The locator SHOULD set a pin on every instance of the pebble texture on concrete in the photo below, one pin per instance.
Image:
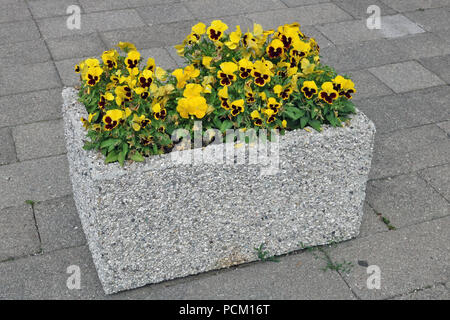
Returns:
(161, 220)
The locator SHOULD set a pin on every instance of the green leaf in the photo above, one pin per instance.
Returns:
(315, 124)
(137, 157)
(109, 142)
(227, 124)
(294, 113)
(303, 122)
(121, 158)
(112, 157)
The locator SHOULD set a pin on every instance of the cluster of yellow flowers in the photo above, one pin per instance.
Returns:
(260, 78)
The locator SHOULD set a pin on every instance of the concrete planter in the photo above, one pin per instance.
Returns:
(158, 220)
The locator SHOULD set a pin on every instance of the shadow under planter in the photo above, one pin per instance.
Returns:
(158, 220)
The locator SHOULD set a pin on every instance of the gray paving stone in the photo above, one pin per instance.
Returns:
(37, 180)
(76, 46)
(358, 8)
(164, 13)
(18, 31)
(298, 276)
(406, 200)
(39, 139)
(371, 223)
(216, 8)
(161, 56)
(149, 37)
(90, 22)
(22, 78)
(431, 19)
(407, 110)
(30, 107)
(437, 292)
(439, 178)
(430, 45)
(59, 224)
(406, 76)
(25, 52)
(298, 3)
(50, 8)
(102, 5)
(438, 65)
(413, 5)
(352, 31)
(19, 234)
(362, 55)
(445, 126)
(45, 276)
(409, 150)
(367, 85)
(15, 11)
(308, 15)
(409, 258)
(7, 148)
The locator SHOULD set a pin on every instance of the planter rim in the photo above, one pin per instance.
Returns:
(94, 160)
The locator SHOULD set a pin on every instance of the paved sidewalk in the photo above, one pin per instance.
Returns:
(401, 72)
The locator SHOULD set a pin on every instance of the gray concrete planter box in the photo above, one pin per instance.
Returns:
(158, 220)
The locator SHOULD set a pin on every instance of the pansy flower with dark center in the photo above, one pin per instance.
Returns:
(261, 72)
(132, 59)
(348, 88)
(77, 69)
(270, 115)
(226, 74)
(237, 106)
(256, 118)
(338, 81)
(150, 65)
(328, 94)
(216, 30)
(283, 92)
(223, 96)
(93, 75)
(309, 89)
(300, 49)
(146, 78)
(104, 98)
(245, 68)
(123, 94)
(160, 112)
(109, 58)
(275, 49)
(249, 97)
(140, 122)
(112, 118)
(273, 104)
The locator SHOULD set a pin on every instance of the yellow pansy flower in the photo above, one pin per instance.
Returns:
(216, 29)
(132, 59)
(226, 74)
(160, 112)
(245, 68)
(140, 122)
(235, 37)
(328, 94)
(109, 58)
(126, 46)
(309, 89)
(146, 78)
(93, 75)
(275, 49)
(223, 96)
(111, 118)
(237, 106)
